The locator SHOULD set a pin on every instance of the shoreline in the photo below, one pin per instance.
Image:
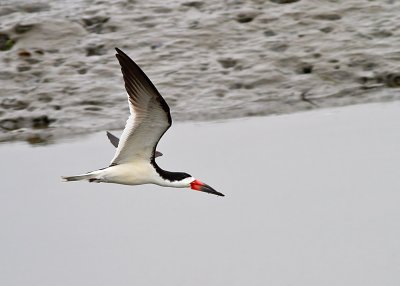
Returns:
(76, 137)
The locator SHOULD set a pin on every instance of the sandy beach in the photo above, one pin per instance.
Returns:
(211, 60)
(311, 199)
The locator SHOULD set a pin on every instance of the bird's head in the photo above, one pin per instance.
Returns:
(198, 185)
(184, 180)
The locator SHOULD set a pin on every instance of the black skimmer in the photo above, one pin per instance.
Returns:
(134, 160)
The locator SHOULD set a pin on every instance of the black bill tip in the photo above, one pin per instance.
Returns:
(207, 189)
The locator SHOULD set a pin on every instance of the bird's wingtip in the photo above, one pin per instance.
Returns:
(120, 52)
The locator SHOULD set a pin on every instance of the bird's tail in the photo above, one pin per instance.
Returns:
(91, 177)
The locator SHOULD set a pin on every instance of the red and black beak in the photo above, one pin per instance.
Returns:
(200, 186)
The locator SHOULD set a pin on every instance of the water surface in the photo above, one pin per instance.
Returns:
(311, 199)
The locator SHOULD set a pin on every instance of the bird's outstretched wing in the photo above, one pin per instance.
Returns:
(150, 117)
(115, 140)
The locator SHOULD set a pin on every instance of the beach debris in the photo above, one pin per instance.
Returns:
(13, 103)
(246, 16)
(41, 122)
(6, 43)
(37, 122)
(227, 63)
(243, 18)
(23, 68)
(33, 7)
(284, 1)
(36, 139)
(21, 28)
(95, 50)
(327, 17)
(269, 33)
(193, 4)
(95, 24)
(390, 79)
(303, 97)
(24, 54)
(326, 30)
(10, 124)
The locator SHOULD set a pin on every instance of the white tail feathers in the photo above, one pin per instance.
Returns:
(89, 176)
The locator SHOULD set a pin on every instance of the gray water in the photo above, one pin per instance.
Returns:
(311, 199)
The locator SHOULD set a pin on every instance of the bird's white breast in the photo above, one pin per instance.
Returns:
(137, 173)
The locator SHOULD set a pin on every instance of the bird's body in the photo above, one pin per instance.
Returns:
(134, 160)
(134, 173)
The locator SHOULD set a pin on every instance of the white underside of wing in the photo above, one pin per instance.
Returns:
(123, 141)
(141, 134)
(149, 118)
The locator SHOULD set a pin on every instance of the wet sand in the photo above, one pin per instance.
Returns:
(210, 59)
(311, 199)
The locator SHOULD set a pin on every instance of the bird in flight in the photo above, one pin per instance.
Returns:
(134, 160)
